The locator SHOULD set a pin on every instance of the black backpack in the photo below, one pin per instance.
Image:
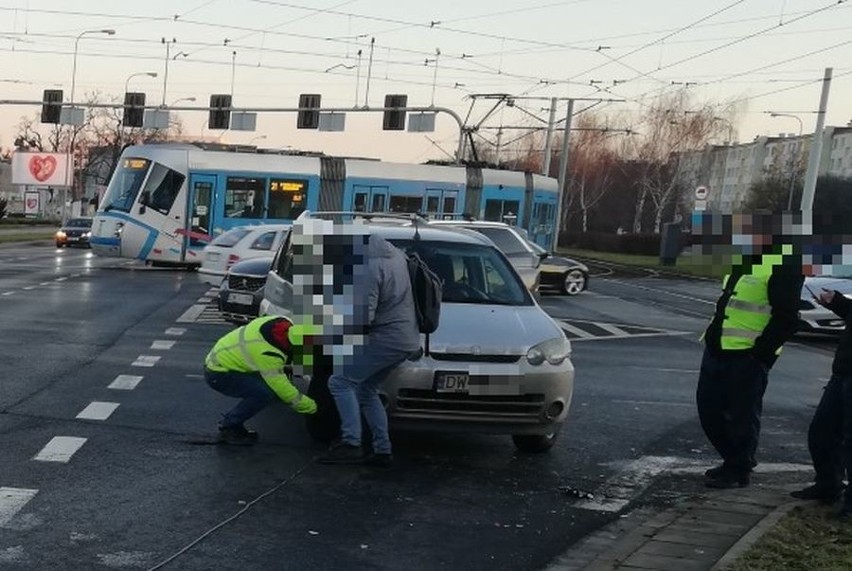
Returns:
(427, 289)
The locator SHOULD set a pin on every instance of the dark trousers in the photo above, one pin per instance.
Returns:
(253, 391)
(830, 433)
(730, 402)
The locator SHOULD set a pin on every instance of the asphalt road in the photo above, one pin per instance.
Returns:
(94, 477)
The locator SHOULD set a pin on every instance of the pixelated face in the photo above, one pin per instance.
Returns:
(724, 239)
(330, 282)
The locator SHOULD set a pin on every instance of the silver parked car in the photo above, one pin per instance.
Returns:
(512, 242)
(237, 244)
(497, 363)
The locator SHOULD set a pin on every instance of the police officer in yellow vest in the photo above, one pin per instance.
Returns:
(755, 315)
(249, 363)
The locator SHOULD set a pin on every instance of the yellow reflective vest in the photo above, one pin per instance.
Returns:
(748, 310)
(245, 350)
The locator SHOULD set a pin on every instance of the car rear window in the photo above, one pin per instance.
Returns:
(230, 238)
(504, 239)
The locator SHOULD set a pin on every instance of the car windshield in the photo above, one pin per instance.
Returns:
(503, 238)
(471, 273)
(230, 238)
(79, 223)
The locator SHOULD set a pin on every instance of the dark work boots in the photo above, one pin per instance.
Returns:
(237, 435)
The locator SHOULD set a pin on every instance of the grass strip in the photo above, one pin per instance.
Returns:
(690, 265)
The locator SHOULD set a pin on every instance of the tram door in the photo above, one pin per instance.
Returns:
(369, 198)
(200, 220)
(439, 203)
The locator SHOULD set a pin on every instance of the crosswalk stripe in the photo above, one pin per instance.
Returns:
(97, 410)
(13, 500)
(610, 328)
(125, 382)
(576, 330)
(60, 449)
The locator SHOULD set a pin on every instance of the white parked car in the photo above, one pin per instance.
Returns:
(813, 317)
(239, 244)
(512, 242)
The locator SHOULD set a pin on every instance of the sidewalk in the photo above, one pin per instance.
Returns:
(708, 531)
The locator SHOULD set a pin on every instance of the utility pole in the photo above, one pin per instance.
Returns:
(369, 73)
(807, 204)
(563, 171)
(545, 170)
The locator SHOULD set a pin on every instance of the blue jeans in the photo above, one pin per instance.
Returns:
(356, 390)
(250, 387)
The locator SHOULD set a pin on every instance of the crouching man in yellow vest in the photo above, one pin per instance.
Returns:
(755, 315)
(249, 363)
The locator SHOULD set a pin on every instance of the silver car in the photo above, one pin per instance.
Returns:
(496, 364)
(813, 317)
(512, 242)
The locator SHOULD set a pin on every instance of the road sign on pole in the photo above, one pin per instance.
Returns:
(701, 198)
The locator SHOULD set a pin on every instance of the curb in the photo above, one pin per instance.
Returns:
(762, 527)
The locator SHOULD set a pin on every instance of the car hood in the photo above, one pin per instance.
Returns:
(842, 285)
(252, 266)
(498, 330)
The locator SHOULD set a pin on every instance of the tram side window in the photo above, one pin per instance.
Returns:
(409, 204)
(163, 186)
(244, 197)
(496, 210)
(287, 198)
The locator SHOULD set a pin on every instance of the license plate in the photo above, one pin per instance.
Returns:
(241, 298)
(451, 382)
(72, 238)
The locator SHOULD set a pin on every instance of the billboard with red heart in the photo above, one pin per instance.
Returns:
(40, 169)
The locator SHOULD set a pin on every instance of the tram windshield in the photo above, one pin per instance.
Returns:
(125, 184)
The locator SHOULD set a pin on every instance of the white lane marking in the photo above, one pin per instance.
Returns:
(768, 468)
(191, 314)
(175, 331)
(665, 370)
(30, 287)
(145, 361)
(633, 479)
(194, 376)
(653, 402)
(575, 330)
(162, 345)
(44, 283)
(62, 279)
(671, 293)
(125, 382)
(13, 500)
(8, 293)
(633, 336)
(609, 328)
(60, 449)
(75, 275)
(204, 300)
(97, 410)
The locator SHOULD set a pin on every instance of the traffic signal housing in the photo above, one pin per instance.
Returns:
(308, 119)
(51, 108)
(134, 109)
(220, 112)
(394, 120)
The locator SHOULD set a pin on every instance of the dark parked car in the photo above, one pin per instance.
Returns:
(565, 275)
(75, 232)
(242, 289)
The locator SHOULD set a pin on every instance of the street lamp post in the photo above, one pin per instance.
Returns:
(132, 75)
(108, 32)
(792, 156)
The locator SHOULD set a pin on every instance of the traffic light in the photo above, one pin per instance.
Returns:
(308, 119)
(220, 112)
(395, 120)
(134, 109)
(51, 108)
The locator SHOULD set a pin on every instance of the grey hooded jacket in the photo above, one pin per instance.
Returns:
(392, 319)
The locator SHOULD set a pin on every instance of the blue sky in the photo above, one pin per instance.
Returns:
(763, 54)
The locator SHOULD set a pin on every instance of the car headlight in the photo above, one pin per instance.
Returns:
(554, 351)
(87, 234)
(60, 234)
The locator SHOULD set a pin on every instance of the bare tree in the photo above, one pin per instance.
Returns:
(592, 164)
(670, 127)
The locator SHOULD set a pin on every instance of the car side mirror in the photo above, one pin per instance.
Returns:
(543, 255)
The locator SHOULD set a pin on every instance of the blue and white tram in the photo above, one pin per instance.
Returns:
(165, 202)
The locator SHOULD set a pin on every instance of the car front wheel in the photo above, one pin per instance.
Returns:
(573, 282)
(535, 443)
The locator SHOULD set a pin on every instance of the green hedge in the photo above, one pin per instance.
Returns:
(641, 244)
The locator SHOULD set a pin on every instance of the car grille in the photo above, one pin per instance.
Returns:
(74, 233)
(528, 406)
(475, 358)
(245, 283)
